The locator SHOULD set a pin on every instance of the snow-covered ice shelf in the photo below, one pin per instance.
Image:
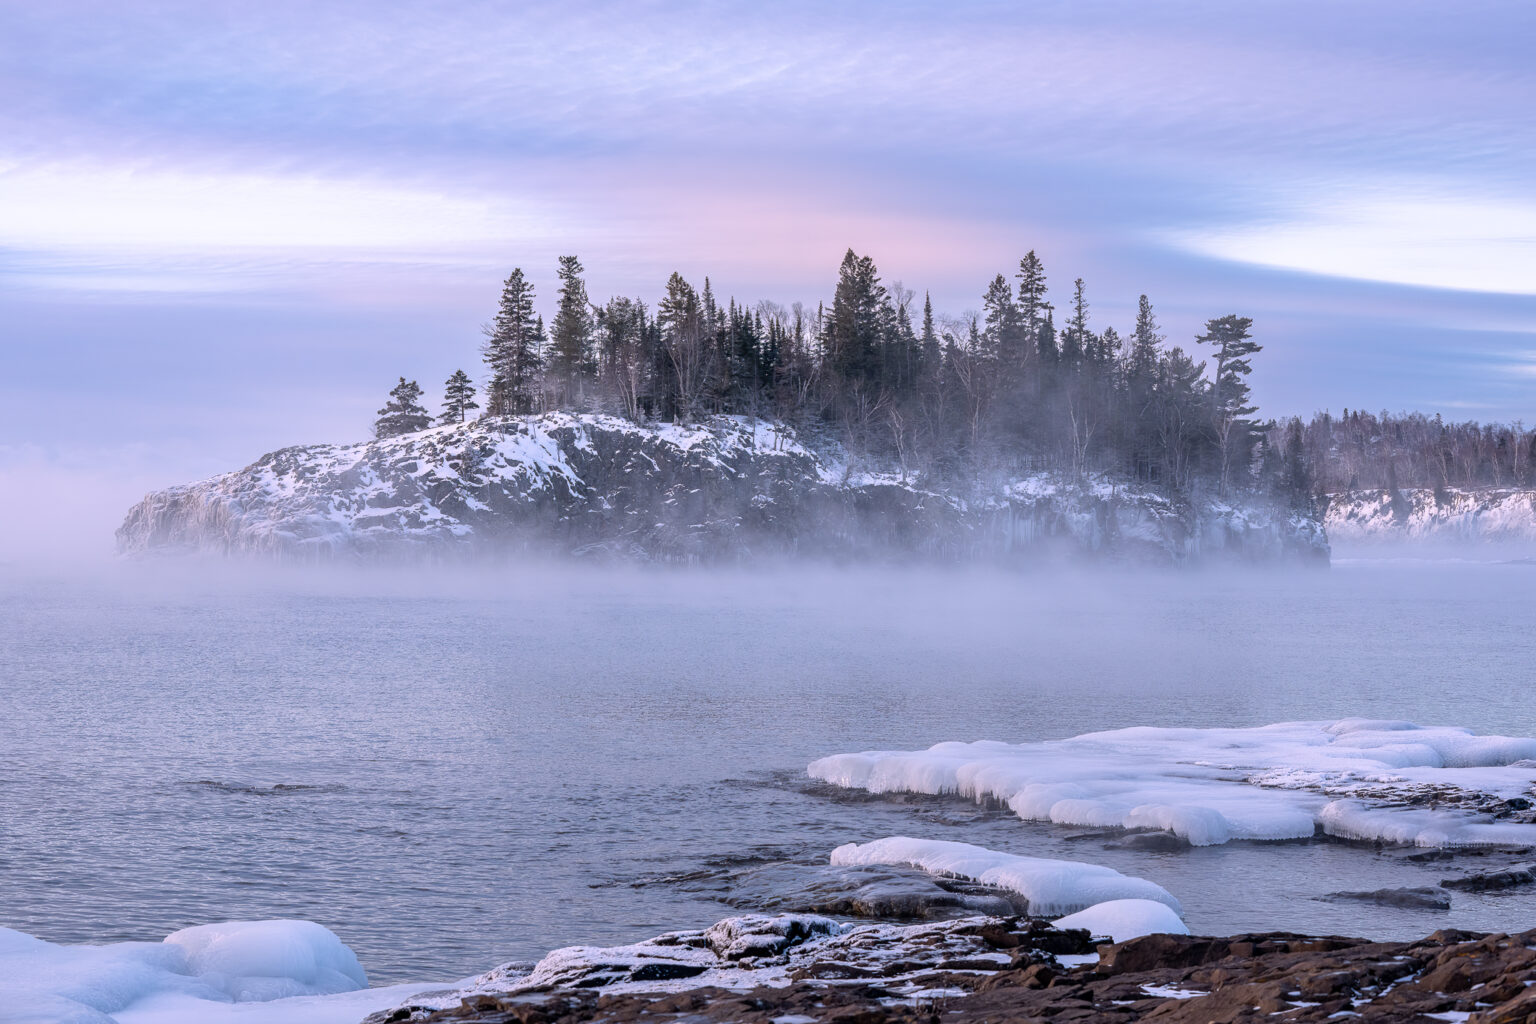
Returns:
(1357, 779)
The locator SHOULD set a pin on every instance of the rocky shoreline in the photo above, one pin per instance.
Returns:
(726, 489)
(799, 970)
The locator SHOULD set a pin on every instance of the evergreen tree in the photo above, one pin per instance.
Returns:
(1045, 340)
(458, 398)
(1234, 347)
(1002, 323)
(571, 336)
(1076, 341)
(681, 322)
(1235, 429)
(1032, 305)
(853, 330)
(513, 350)
(1146, 345)
(403, 413)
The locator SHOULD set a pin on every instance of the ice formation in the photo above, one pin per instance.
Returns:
(1126, 919)
(1052, 887)
(297, 968)
(1357, 779)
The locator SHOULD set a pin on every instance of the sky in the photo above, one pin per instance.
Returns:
(229, 227)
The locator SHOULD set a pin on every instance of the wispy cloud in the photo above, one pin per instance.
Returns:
(1394, 235)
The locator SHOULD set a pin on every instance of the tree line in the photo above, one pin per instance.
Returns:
(1364, 451)
(1021, 386)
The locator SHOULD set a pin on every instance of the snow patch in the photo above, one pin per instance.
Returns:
(1123, 920)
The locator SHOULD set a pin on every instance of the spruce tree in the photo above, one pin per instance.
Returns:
(1031, 303)
(512, 350)
(1000, 342)
(853, 330)
(458, 398)
(1076, 341)
(1146, 346)
(928, 346)
(570, 335)
(403, 413)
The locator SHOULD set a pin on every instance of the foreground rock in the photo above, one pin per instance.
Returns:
(798, 970)
(728, 488)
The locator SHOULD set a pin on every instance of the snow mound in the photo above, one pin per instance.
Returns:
(253, 961)
(237, 961)
(1122, 920)
(1052, 887)
(1357, 778)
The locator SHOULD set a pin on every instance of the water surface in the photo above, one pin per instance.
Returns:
(452, 771)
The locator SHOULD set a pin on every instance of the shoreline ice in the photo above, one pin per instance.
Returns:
(1359, 779)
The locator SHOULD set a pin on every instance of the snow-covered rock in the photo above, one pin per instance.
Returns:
(725, 488)
(1380, 781)
(1442, 516)
(1052, 887)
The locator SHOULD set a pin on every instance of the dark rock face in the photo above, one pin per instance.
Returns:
(1418, 898)
(728, 488)
(1484, 979)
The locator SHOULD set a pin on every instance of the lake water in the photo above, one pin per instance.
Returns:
(451, 771)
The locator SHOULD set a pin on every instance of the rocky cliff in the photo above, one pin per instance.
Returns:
(1434, 517)
(727, 488)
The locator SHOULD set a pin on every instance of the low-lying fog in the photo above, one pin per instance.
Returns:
(452, 769)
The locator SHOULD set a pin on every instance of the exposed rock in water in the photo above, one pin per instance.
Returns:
(1416, 898)
(889, 893)
(727, 488)
(1520, 874)
(976, 970)
(1150, 842)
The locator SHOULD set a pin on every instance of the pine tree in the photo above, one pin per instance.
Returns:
(571, 335)
(1234, 345)
(1235, 429)
(403, 413)
(458, 398)
(513, 351)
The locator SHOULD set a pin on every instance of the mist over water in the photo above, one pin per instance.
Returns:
(454, 769)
